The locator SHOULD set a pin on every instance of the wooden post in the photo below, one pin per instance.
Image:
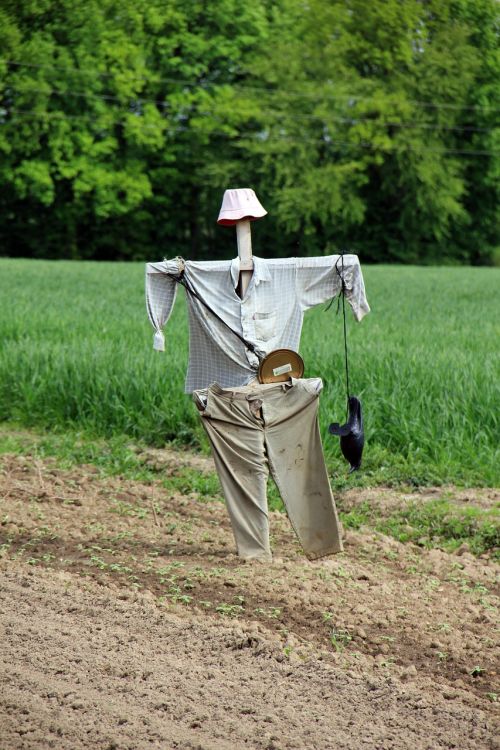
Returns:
(244, 241)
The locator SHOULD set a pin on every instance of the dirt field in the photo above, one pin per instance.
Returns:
(127, 622)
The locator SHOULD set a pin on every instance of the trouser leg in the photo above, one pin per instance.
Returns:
(237, 438)
(297, 464)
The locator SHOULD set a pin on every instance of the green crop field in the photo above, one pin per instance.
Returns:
(76, 356)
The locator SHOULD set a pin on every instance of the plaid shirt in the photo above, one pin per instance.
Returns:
(270, 314)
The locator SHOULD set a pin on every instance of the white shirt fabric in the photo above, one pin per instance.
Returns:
(270, 314)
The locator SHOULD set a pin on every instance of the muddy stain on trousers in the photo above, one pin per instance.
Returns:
(260, 428)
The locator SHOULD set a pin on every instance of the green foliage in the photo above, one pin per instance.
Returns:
(372, 167)
(76, 354)
(120, 129)
(436, 523)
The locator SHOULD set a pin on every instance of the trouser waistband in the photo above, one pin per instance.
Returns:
(244, 392)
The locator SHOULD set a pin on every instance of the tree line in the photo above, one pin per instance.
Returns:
(365, 126)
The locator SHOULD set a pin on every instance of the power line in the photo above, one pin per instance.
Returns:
(263, 138)
(390, 123)
(299, 116)
(245, 87)
(389, 150)
(92, 95)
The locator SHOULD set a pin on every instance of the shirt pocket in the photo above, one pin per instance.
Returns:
(265, 325)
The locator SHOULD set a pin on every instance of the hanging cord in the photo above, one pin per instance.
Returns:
(342, 294)
(181, 279)
(352, 436)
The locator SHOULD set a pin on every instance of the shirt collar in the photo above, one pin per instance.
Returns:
(260, 270)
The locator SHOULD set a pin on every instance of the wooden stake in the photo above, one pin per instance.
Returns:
(244, 242)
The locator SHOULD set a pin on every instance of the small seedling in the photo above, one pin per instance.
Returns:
(4, 548)
(229, 610)
(433, 583)
(341, 572)
(476, 671)
(217, 572)
(181, 599)
(445, 627)
(339, 639)
(98, 562)
(271, 612)
(119, 568)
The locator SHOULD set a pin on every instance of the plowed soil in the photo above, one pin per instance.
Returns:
(128, 622)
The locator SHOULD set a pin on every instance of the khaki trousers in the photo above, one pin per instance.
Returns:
(273, 427)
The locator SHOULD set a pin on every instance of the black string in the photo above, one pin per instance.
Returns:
(342, 292)
(181, 279)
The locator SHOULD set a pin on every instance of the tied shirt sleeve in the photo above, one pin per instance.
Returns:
(318, 281)
(161, 290)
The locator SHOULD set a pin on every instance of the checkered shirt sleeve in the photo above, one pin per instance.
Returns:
(320, 279)
(161, 291)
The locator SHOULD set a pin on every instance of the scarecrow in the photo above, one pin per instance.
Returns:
(246, 377)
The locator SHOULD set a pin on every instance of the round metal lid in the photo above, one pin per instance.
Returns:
(280, 365)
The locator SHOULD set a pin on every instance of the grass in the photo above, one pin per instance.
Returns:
(435, 523)
(76, 358)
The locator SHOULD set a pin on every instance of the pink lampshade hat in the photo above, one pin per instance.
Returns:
(238, 204)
